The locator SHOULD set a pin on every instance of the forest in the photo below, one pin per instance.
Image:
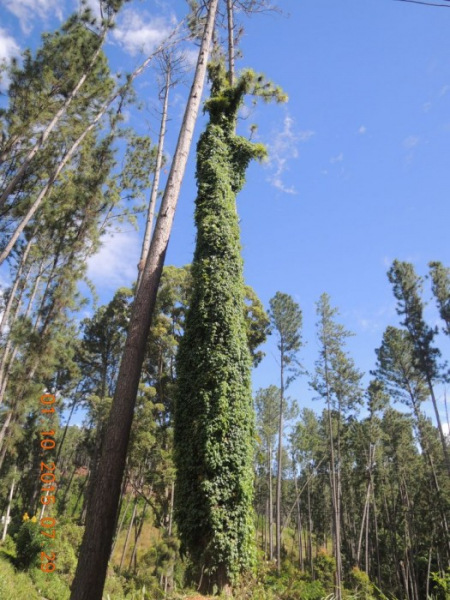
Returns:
(175, 433)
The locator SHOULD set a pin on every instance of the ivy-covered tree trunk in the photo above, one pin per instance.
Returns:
(214, 421)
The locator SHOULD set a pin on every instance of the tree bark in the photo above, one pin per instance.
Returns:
(270, 506)
(279, 466)
(8, 510)
(96, 545)
(156, 177)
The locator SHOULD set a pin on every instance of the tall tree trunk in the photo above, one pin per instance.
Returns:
(270, 506)
(156, 177)
(439, 424)
(8, 510)
(96, 545)
(279, 465)
(230, 27)
(310, 528)
(127, 539)
(58, 116)
(56, 172)
(12, 294)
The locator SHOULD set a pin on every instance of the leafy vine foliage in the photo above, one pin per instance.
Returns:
(214, 420)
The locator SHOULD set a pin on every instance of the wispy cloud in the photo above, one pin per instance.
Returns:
(444, 90)
(141, 32)
(116, 263)
(8, 49)
(426, 106)
(337, 159)
(27, 11)
(411, 141)
(282, 149)
(362, 130)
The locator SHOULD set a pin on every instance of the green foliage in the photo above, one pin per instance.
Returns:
(324, 568)
(441, 585)
(28, 545)
(286, 319)
(440, 278)
(407, 288)
(360, 584)
(15, 585)
(214, 422)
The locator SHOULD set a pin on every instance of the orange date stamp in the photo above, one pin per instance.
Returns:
(48, 483)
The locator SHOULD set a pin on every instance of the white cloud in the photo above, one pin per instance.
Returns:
(337, 159)
(305, 136)
(362, 130)
(28, 11)
(8, 46)
(444, 90)
(140, 32)
(446, 428)
(190, 56)
(116, 263)
(282, 149)
(411, 141)
(8, 49)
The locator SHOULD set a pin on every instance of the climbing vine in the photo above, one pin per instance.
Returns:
(214, 421)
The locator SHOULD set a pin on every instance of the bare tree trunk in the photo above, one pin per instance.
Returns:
(133, 559)
(13, 291)
(270, 506)
(279, 466)
(158, 166)
(119, 528)
(127, 539)
(60, 113)
(363, 524)
(53, 177)
(299, 520)
(8, 510)
(96, 545)
(439, 424)
(310, 528)
(230, 25)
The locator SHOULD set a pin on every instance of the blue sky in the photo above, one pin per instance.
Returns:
(358, 172)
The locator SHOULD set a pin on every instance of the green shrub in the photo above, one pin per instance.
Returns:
(28, 545)
(324, 568)
(15, 585)
(50, 585)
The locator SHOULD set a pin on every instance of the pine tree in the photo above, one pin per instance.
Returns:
(286, 321)
(407, 287)
(337, 381)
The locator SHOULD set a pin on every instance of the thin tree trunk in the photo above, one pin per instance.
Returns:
(156, 177)
(299, 520)
(363, 524)
(8, 510)
(230, 26)
(279, 465)
(127, 539)
(133, 559)
(96, 545)
(310, 528)
(13, 291)
(119, 528)
(60, 113)
(270, 506)
(439, 424)
(53, 177)
(427, 593)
